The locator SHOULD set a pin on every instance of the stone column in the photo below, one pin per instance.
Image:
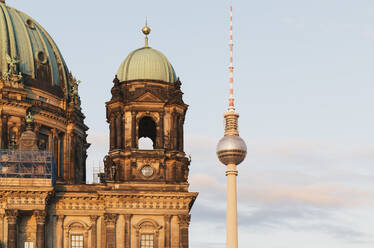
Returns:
(58, 169)
(40, 216)
(127, 230)
(69, 157)
(1, 229)
(125, 145)
(4, 131)
(112, 130)
(110, 226)
(133, 129)
(12, 227)
(167, 239)
(118, 130)
(181, 136)
(93, 219)
(161, 133)
(173, 131)
(60, 231)
(85, 243)
(184, 222)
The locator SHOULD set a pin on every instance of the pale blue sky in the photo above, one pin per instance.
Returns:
(303, 84)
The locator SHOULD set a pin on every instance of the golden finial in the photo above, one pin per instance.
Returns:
(146, 30)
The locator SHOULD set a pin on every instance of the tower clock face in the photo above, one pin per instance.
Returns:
(147, 171)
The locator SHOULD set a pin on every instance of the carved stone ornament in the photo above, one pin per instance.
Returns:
(110, 168)
(93, 219)
(73, 92)
(184, 219)
(12, 75)
(11, 215)
(110, 219)
(40, 216)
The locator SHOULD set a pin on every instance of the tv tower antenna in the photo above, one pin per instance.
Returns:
(231, 151)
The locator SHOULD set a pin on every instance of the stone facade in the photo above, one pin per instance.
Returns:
(142, 200)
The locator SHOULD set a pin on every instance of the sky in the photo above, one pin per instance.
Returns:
(303, 89)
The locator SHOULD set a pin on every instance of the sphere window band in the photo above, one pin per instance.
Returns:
(147, 171)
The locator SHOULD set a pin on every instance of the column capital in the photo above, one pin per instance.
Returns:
(110, 219)
(184, 219)
(167, 217)
(11, 215)
(127, 216)
(40, 216)
(93, 219)
(60, 217)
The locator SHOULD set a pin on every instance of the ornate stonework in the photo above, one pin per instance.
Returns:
(44, 199)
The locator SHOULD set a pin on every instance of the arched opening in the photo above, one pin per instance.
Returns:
(147, 133)
(145, 144)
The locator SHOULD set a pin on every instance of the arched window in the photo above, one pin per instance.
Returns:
(147, 233)
(77, 233)
(147, 129)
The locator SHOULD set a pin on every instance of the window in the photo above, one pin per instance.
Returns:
(76, 241)
(29, 245)
(146, 241)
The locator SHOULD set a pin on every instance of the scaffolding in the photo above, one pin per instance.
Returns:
(96, 171)
(27, 168)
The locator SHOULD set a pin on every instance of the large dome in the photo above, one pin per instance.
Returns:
(36, 54)
(146, 63)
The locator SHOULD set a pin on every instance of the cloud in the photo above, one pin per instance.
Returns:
(319, 195)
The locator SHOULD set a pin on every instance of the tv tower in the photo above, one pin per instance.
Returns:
(231, 151)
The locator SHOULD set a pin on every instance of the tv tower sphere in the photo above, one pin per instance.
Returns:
(231, 149)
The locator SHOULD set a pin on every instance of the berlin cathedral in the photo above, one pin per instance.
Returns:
(142, 200)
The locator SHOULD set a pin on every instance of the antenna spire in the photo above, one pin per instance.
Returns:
(231, 68)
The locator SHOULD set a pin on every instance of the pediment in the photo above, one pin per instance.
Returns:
(148, 97)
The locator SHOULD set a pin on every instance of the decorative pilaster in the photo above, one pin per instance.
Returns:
(112, 128)
(127, 230)
(60, 231)
(4, 131)
(93, 219)
(184, 223)
(133, 129)
(40, 216)
(173, 132)
(118, 130)
(162, 134)
(110, 224)
(12, 227)
(1, 227)
(167, 238)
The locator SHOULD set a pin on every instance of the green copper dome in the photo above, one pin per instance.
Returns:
(146, 63)
(32, 50)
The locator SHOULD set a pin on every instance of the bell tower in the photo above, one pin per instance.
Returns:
(147, 103)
